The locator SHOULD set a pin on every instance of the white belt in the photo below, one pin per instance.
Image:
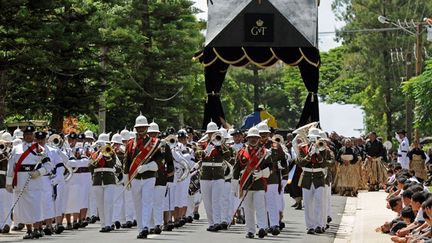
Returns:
(212, 164)
(104, 170)
(2, 172)
(313, 170)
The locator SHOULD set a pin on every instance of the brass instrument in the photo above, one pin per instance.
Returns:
(302, 133)
(3, 147)
(171, 140)
(217, 139)
(321, 144)
(107, 151)
(277, 138)
(56, 141)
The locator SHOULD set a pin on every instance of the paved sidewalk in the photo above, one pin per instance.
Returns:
(362, 216)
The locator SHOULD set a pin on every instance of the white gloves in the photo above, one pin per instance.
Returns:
(280, 167)
(235, 187)
(151, 166)
(261, 174)
(34, 174)
(9, 188)
(56, 180)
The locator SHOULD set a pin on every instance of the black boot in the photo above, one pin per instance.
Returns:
(18, 227)
(261, 233)
(127, 225)
(134, 223)
(6, 229)
(250, 235)
(29, 235)
(59, 229)
(158, 230)
(37, 234)
(76, 225)
(143, 234)
(117, 224)
(275, 230)
(48, 231)
(224, 225)
(189, 219)
(93, 219)
(196, 216)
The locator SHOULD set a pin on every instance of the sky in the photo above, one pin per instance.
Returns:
(334, 117)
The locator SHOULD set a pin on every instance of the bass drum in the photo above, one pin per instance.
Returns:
(194, 185)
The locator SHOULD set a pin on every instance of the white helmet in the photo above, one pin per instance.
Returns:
(211, 127)
(16, 142)
(18, 133)
(154, 127)
(125, 134)
(323, 134)
(141, 121)
(263, 126)
(253, 132)
(6, 137)
(117, 138)
(314, 133)
(103, 138)
(225, 133)
(133, 133)
(88, 134)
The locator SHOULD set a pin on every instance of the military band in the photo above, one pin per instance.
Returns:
(155, 181)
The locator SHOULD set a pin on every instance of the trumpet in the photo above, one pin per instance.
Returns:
(321, 144)
(171, 140)
(107, 151)
(55, 141)
(217, 139)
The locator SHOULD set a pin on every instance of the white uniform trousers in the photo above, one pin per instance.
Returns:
(104, 200)
(158, 206)
(48, 209)
(314, 206)
(194, 200)
(254, 204)
(92, 210)
(5, 207)
(327, 193)
(227, 203)
(181, 193)
(143, 193)
(129, 206)
(59, 202)
(169, 200)
(28, 209)
(272, 202)
(119, 208)
(212, 193)
(281, 196)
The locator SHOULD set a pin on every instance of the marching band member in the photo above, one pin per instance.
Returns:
(142, 160)
(27, 165)
(102, 165)
(250, 172)
(227, 196)
(212, 176)
(119, 148)
(5, 196)
(314, 159)
(129, 208)
(403, 149)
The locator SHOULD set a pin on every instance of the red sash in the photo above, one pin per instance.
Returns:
(144, 153)
(254, 162)
(20, 161)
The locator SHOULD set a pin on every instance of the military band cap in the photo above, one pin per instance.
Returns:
(181, 134)
(41, 135)
(72, 135)
(81, 136)
(189, 130)
(29, 129)
(236, 131)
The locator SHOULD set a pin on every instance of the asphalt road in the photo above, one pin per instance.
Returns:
(295, 231)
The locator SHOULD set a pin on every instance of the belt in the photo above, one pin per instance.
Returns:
(104, 170)
(2, 172)
(82, 170)
(28, 168)
(212, 164)
(59, 165)
(313, 170)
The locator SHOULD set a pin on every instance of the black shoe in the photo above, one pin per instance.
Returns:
(269, 230)
(48, 231)
(93, 219)
(261, 233)
(218, 227)
(281, 225)
(224, 225)
(275, 230)
(299, 207)
(97, 218)
(151, 231)
(166, 228)
(88, 219)
(250, 235)
(196, 216)
(311, 231)
(329, 219)
(143, 234)
(112, 227)
(6, 229)
(294, 205)
(18, 227)
(158, 230)
(327, 226)
(105, 229)
(319, 230)
(28, 236)
(76, 225)
(189, 219)
(170, 226)
(83, 224)
(69, 226)
(127, 225)
(117, 224)
(177, 224)
(182, 222)
(134, 223)
(58, 229)
(37, 234)
(212, 228)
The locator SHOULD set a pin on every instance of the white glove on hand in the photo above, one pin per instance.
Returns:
(257, 174)
(9, 188)
(56, 180)
(34, 174)
(196, 166)
(152, 166)
(280, 167)
(235, 187)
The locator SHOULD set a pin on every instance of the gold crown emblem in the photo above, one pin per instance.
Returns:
(260, 23)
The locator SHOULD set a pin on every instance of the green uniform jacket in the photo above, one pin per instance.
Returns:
(105, 177)
(3, 167)
(218, 155)
(318, 179)
(241, 164)
(166, 166)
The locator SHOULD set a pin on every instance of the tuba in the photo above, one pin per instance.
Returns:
(171, 140)
(217, 139)
(302, 133)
